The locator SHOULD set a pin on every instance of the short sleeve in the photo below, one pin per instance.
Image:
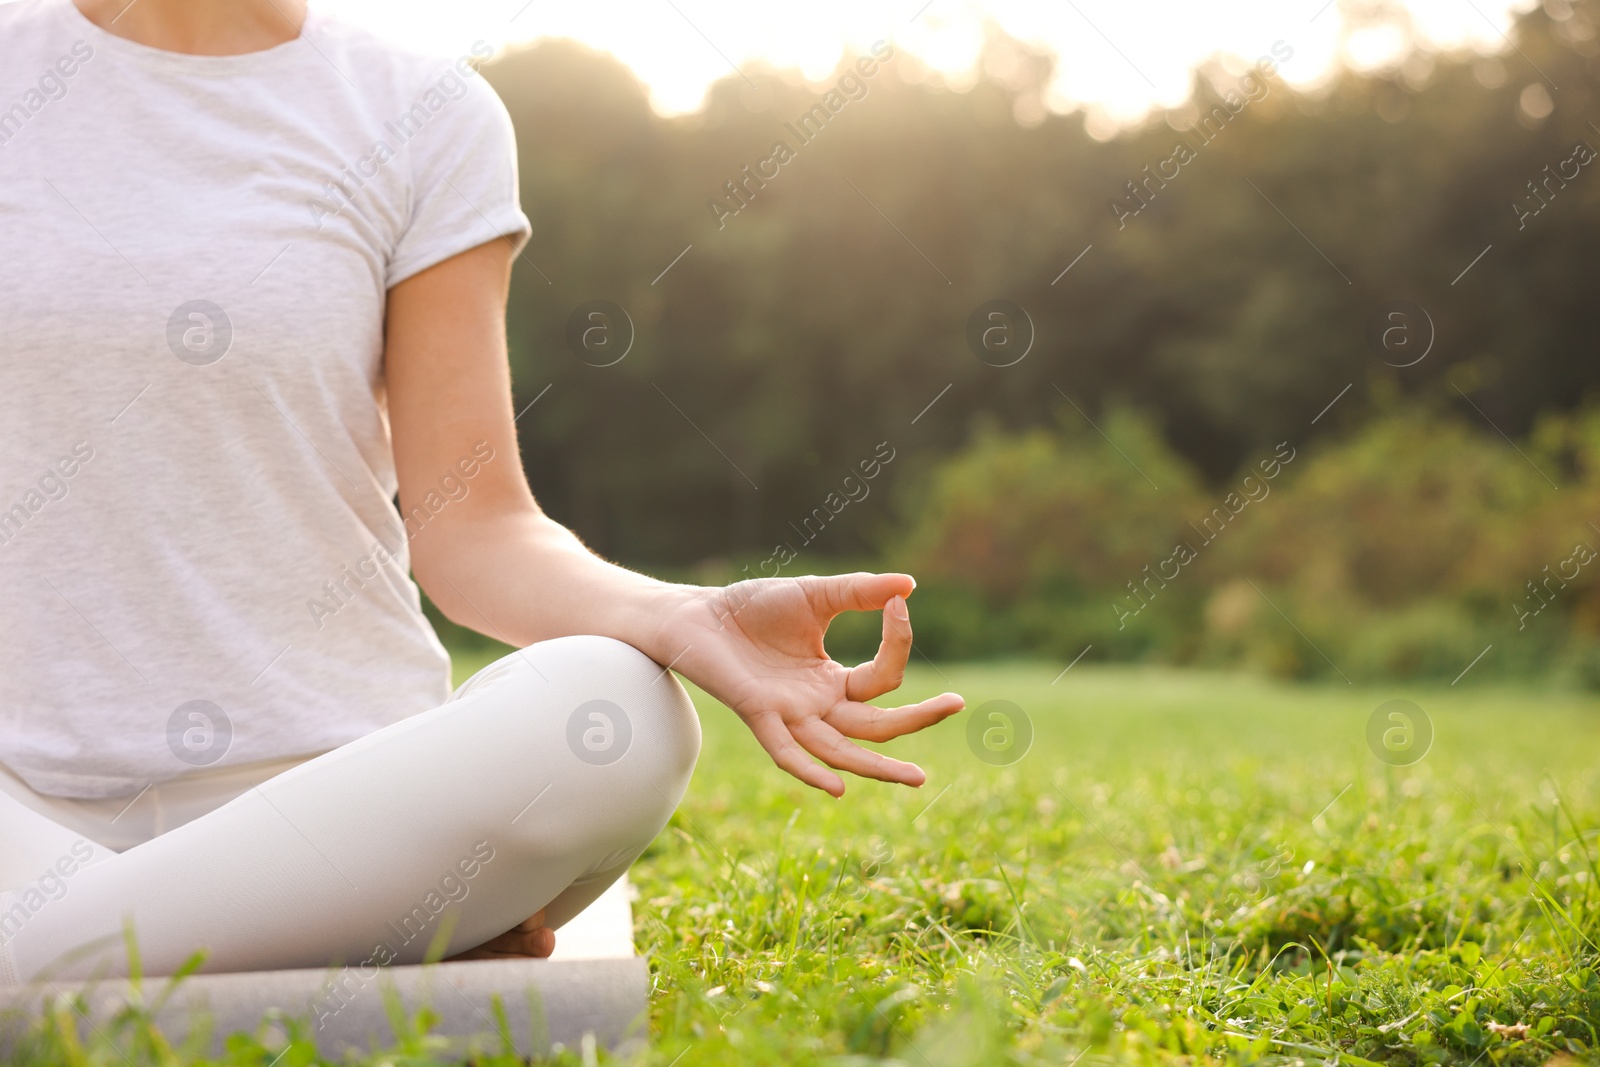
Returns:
(464, 191)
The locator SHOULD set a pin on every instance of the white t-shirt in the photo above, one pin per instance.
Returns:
(196, 478)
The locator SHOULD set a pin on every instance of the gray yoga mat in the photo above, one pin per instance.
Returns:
(545, 1002)
(595, 985)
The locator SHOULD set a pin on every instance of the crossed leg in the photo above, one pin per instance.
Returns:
(533, 788)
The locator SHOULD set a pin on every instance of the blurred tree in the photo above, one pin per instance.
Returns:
(773, 349)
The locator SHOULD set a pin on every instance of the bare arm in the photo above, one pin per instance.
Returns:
(493, 561)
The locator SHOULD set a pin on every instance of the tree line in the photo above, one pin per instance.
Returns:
(1423, 233)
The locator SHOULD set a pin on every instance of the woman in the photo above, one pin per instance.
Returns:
(252, 285)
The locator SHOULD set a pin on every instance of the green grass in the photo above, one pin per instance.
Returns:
(1185, 867)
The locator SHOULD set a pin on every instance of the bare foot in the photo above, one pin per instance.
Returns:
(529, 939)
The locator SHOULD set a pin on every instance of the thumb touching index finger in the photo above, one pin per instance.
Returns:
(859, 591)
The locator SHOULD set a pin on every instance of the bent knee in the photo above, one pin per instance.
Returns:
(641, 717)
(620, 734)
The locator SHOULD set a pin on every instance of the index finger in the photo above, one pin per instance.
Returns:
(887, 669)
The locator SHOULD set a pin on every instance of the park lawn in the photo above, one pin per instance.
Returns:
(1183, 867)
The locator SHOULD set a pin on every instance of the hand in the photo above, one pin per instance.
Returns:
(757, 647)
(528, 939)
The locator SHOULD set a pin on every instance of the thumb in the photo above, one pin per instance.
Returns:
(858, 591)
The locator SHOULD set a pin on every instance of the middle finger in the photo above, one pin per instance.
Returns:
(867, 723)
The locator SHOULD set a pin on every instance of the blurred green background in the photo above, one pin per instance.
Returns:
(1445, 467)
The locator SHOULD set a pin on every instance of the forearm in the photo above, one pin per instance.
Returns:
(494, 562)
(519, 576)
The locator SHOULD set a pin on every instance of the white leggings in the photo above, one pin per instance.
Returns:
(535, 786)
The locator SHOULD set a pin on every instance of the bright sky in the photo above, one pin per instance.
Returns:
(1118, 57)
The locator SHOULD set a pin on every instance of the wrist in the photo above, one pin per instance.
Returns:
(659, 619)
